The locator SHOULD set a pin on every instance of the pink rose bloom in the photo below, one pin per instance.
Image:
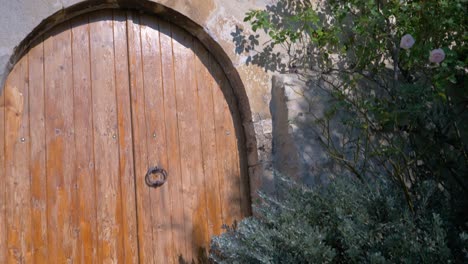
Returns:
(407, 41)
(437, 56)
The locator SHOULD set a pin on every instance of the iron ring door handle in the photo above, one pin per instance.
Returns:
(155, 177)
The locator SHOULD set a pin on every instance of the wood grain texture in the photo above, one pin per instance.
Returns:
(205, 86)
(172, 140)
(186, 122)
(226, 150)
(156, 136)
(84, 140)
(38, 154)
(234, 137)
(60, 144)
(3, 186)
(127, 176)
(85, 113)
(106, 144)
(200, 244)
(17, 144)
(144, 211)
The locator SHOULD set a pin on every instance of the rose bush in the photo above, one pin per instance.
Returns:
(404, 117)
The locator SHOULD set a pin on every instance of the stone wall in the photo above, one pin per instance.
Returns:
(269, 103)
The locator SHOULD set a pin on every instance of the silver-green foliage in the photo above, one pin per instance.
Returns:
(345, 222)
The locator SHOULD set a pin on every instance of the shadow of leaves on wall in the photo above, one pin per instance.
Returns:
(291, 37)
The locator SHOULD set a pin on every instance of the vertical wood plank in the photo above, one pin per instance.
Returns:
(174, 182)
(205, 85)
(238, 186)
(60, 143)
(189, 138)
(183, 79)
(232, 119)
(71, 178)
(38, 146)
(106, 148)
(241, 168)
(144, 211)
(3, 220)
(17, 146)
(127, 175)
(83, 116)
(226, 150)
(156, 136)
(201, 230)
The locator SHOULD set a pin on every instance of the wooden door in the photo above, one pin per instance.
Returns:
(94, 104)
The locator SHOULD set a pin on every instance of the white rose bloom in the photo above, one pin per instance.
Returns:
(437, 56)
(407, 41)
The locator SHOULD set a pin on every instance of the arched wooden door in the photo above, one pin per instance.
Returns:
(85, 113)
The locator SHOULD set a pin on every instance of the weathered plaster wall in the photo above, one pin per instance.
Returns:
(271, 143)
(296, 105)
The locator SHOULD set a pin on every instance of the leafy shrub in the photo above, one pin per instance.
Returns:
(396, 72)
(345, 222)
(405, 110)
